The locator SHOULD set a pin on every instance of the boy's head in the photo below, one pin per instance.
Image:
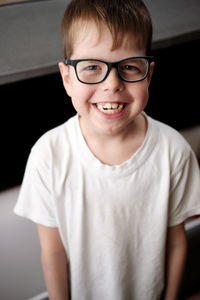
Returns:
(106, 71)
(124, 19)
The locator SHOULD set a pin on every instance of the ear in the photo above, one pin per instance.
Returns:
(64, 71)
(152, 66)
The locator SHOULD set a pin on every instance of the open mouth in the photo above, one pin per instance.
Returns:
(110, 108)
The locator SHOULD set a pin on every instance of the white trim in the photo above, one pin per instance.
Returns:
(39, 296)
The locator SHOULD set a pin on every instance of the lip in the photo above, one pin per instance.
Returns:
(110, 116)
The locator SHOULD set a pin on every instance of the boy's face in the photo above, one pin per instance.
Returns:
(88, 99)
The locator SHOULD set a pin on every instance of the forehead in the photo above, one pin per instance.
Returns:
(92, 35)
(86, 33)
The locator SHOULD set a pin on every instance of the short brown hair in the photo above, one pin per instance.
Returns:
(122, 17)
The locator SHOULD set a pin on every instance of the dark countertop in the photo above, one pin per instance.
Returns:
(30, 33)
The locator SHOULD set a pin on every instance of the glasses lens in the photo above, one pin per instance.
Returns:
(133, 69)
(91, 71)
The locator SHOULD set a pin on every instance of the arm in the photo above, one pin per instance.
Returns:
(176, 255)
(54, 262)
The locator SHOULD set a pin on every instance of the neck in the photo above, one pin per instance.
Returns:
(113, 149)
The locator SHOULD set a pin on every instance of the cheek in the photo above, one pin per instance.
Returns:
(144, 98)
(146, 94)
(81, 96)
(141, 93)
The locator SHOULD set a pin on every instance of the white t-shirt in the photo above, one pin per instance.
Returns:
(112, 219)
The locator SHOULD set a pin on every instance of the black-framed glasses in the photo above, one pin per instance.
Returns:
(93, 71)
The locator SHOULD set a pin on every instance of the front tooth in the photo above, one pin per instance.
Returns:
(107, 105)
(114, 105)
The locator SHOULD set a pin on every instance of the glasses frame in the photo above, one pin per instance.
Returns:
(110, 65)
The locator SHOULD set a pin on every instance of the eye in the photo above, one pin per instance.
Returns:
(92, 68)
(89, 66)
(128, 68)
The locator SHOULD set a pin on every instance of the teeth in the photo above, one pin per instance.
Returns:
(110, 108)
(107, 106)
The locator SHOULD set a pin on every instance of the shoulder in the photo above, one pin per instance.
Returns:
(55, 142)
(170, 143)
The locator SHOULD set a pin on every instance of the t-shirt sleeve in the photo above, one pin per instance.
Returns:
(185, 192)
(36, 201)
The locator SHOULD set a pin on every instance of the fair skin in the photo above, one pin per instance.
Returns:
(124, 132)
(54, 262)
(175, 255)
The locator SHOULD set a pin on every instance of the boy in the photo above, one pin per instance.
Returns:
(110, 188)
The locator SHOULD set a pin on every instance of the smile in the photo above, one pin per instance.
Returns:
(110, 108)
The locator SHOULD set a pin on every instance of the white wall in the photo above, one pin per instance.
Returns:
(21, 274)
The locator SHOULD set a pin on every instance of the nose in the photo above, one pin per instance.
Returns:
(113, 83)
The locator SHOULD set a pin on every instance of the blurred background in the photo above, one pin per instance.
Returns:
(33, 100)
